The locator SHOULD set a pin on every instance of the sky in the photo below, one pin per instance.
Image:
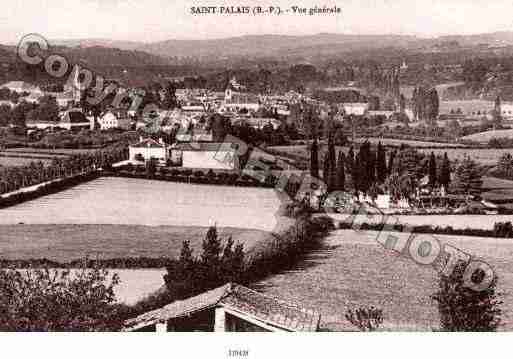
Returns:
(157, 20)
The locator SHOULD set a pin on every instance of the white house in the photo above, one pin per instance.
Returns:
(355, 108)
(75, 119)
(236, 99)
(114, 119)
(147, 149)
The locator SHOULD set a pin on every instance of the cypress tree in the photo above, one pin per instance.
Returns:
(326, 174)
(314, 159)
(445, 172)
(210, 259)
(390, 166)
(468, 178)
(432, 170)
(381, 164)
(341, 173)
(350, 165)
(332, 163)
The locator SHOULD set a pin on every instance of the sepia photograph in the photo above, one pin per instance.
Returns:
(207, 166)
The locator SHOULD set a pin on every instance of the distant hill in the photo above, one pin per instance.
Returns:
(275, 45)
(107, 56)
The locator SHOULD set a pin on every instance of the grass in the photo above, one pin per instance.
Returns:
(353, 270)
(19, 161)
(398, 142)
(64, 243)
(488, 135)
(485, 156)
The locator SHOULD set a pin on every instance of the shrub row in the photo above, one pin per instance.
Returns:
(500, 229)
(195, 177)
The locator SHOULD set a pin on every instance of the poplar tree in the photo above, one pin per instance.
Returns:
(445, 172)
(432, 170)
(341, 173)
(468, 178)
(381, 164)
(314, 159)
(350, 165)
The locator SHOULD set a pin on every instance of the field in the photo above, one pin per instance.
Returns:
(488, 135)
(353, 270)
(124, 201)
(18, 161)
(486, 156)
(23, 156)
(397, 142)
(64, 243)
(47, 151)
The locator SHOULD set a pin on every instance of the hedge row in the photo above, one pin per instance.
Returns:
(198, 178)
(500, 229)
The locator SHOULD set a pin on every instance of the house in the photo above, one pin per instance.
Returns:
(74, 119)
(355, 108)
(33, 97)
(64, 99)
(206, 155)
(114, 119)
(260, 123)
(21, 86)
(385, 114)
(236, 99)
(147, 149)
(230, 308)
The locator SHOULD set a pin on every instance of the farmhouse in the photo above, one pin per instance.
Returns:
(75, 119)
(147, 149)
(230, 308)
(205, 155)
(114, 119)
(355, 108)
(236, 99)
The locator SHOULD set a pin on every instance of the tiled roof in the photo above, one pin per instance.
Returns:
(149, 142)
(204, 146)
(179, 308)
(270, 310)
(238, 299)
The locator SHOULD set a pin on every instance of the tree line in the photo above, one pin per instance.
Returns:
(376, 170)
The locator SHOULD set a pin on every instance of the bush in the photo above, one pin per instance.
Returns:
(365, 319)
(464, 309)
(49, 300)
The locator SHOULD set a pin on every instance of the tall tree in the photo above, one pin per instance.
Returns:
(314, 159)
(210, 258)
(432, 170)
(341, 173)
(332, 155)
(350, 165)
(381, 164)
(468, 178)
(326, 172)
(445, 172)
(497, 112)
(390, 166)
